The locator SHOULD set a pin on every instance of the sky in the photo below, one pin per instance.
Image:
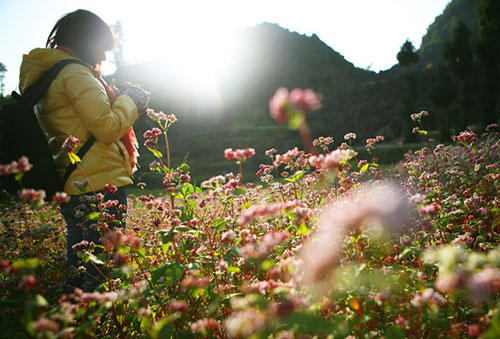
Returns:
(368, 33)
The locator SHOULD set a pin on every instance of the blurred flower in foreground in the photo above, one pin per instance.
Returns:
(384, 203)
(284, 104)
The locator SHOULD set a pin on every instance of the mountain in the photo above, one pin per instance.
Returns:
(431, 48)
(268, 57)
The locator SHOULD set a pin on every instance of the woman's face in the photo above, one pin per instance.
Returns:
(97, 51)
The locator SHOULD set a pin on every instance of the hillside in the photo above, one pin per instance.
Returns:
(272, 57)
(431, 48)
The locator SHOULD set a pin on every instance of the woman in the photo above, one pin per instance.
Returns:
(79, 103)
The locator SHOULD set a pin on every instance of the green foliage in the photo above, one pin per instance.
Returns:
(458, 51)
(408, 54)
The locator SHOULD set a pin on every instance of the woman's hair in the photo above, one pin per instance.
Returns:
(76, 29)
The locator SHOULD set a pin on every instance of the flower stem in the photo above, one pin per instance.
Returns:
(305, 134)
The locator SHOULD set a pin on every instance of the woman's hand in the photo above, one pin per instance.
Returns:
(136, 92)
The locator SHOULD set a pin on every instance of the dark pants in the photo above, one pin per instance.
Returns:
(79, 228)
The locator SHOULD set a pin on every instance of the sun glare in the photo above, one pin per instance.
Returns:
(196, 54)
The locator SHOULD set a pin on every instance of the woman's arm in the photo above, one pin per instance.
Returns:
(107, 123)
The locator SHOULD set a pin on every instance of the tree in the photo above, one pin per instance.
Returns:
(408, 54)
(458, 51)
(488, 54)
(459, 57)
(3, 69)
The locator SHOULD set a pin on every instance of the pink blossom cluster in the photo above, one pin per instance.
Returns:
(350, 136)
(288, 156)
(429, 209)
(331, 160)
(370, 142)
(109, 188)
(322, 142)
(428, 296)
(214, 182)
(479, 285)
(35, 197)
(270, 210)
(418, 116)
(20, 166)
(270, 152)
(264, 170)
(70, 144)
(231, 184)
(159, 116)
(193, 279)
(204, 324)
(283, 103)
(151, 137)
(491, 127)
(319, 255)
(465, 137)
(239, 154)
(115, 238)
(61, 197)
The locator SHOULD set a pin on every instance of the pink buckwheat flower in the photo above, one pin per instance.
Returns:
(61, 197)
(239, 154)
(321, 253)
(277, 105)
(418, 116)
(108, 188)
(23, 164)
(70, 144)
(429, 209)
(284, 103)
(305, 100)
(465, 137)
(32, 196)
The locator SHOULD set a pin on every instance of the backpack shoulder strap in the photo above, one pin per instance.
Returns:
(34, 93)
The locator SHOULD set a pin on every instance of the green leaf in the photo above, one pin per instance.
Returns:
(309, 323)
(167, 274)
(422, 131)
(93, 258)
(25, 264)
(477, 167)
(156, 153)
(40, 301)
(303, 230)
(167, 236)
(18, 177)
(94, 216)
(267, 264)
(184, 168)
(73, 158)
(233, 269)
(186, 190)
(296, 176)
(365, 167)
(407, 252)
(296, 119)
(163, 329)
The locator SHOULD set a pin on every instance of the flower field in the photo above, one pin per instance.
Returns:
(321, 245)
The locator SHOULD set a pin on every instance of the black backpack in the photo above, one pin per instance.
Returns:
(21, 135)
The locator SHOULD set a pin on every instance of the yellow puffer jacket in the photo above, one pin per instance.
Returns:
(77, 104)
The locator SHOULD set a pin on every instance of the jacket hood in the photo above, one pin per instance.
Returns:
(36, 63)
